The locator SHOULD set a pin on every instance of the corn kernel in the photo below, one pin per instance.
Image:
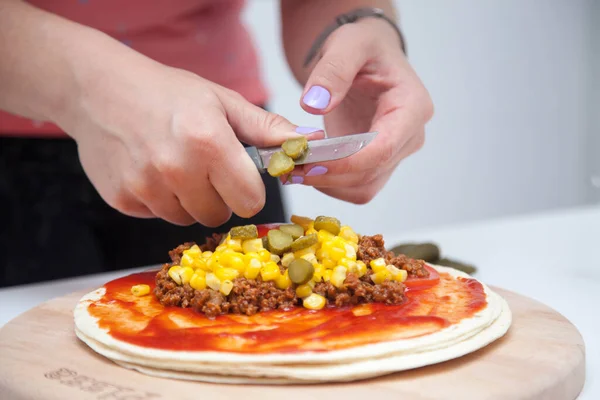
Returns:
(377, 264)
(221, 248)
(338, 277)
(309, 250)
(339, 242)
(361, 268)
(311, 258)
(186, 274)
(212, 281)
(283, 281)
(401, 276)
(193, 251)
(314, 302)
(318, 274)
(234, 244)
(311, 283)
(198, 281)
(225, 274)
(212, 263)
(287, 259)
(321, 254)
(200, 271)
(140, 290)
(328, 263)
(327, 275)
(264, 255)
(200, 263)
(310, 231)
(347, 233)
(269, 271)
(226, 287)
(251, 255)
(233, 260)
(253, 269)
(275, 258)
(207, 254)
(252, 246)
(354, 245)
(381, 276)
(345, 262)
(325, 236)
(350, 252)
(303, 291)
(187, 260)
(174, 274)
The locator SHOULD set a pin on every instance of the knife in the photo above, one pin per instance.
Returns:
(318, 150)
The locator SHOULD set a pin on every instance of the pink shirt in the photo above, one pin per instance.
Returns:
(206, 37)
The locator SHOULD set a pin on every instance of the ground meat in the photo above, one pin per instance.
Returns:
(177, 252)
(247, 296)
(357, 291)
(373, 247)
(212, 242)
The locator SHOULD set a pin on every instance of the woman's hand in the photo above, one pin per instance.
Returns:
(160, 142)
(363, 82)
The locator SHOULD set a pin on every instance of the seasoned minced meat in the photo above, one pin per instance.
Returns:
(373, 247)
(357, 291)
(247, 296)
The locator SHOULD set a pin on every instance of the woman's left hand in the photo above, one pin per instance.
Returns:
(363, 82)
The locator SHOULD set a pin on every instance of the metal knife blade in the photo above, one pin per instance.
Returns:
(318, 150)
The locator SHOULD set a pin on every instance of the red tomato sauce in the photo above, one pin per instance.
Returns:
(145, 322)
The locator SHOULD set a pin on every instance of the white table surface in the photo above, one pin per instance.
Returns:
(551, 257)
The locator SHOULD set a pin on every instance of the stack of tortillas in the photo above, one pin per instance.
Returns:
(349, 363)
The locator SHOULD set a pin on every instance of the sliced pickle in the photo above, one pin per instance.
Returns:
(295, 230)
(300, 271)
(244, 232)
(428, 252)
(302, 221)
(329, 224)
(280, 164)
(304, 242)
(295, 147)
(279, 242)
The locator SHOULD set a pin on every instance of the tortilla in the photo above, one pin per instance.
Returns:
(398, 347)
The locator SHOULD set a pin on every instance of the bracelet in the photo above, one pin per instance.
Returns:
(348, 18)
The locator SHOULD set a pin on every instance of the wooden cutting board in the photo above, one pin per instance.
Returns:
(541, 357)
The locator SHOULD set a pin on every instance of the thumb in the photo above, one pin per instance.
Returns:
(331, 79)
(258, 127)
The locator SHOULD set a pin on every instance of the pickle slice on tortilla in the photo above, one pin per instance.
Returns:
(295, 147)
(304, 242)
(300, 271)
(330, 224)
(244, 232)
(295, 230)
(280, 164)
(302, 221)
(279, 242)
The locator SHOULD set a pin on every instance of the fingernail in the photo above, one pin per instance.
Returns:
(296, 180)
(316, 171)
(305, 130)
(317, 97)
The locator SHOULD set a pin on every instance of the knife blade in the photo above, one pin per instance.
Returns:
(318, 150)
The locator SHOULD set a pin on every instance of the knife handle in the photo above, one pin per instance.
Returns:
(253, 153)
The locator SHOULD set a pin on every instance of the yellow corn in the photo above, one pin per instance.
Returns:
(328, 263)
(322, 254)
(303, 291)
(349, 264)
(327, 275)
(140, 290)
(283, 281)
(269, 271)
(264, 255)
(174, 274)
(336, 253)
(339, 242)
(318, 274)
(221, 248)
(338, 277)
(198, 281)
(287, 259)
(212, 281)
(226, 287)
(226, 274)
(311, 258)
(361, 268)
(252, 246)
(249, 256)
(401, 275)
(310, 231)
(212, 262)
(381, 276)
(347, 233)
(200, 263)
(377, 264)
(314, 302)
(187, 260)
(324, 236)
(309, 250)
(350, 252)
(199, 271)
(233, 260)
(311, 283)
(207, 254)
(253, 269)
(275, 258)
(193, 251)
(186, 274)
(234, 244)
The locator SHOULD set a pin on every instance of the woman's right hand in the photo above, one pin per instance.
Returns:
(161, 142)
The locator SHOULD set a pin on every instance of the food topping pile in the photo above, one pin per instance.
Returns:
(309, 263)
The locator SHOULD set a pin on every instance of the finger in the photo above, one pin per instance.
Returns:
(257, 127)
(334, 74)
(203, 202)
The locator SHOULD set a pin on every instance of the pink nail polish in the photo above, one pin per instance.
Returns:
(317, 170)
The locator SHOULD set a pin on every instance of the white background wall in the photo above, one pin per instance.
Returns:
(513, 133)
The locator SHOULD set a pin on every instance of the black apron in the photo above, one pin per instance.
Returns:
(53, 223)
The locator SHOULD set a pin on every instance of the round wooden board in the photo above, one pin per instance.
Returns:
(541, 356)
